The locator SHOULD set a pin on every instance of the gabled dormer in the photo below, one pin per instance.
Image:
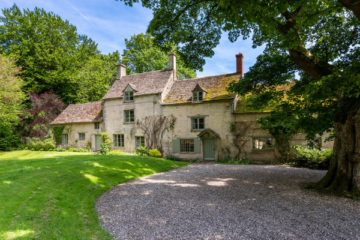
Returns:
(198, 94)
(129, 91)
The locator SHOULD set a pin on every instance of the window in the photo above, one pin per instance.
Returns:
(81, 136)
(187, 145)
(139, 142)
(97, 125)
(197, 96)
(129, 116)
(198, 123)
(64, 139)
(119, 140)
(129, 96)
(263, 143)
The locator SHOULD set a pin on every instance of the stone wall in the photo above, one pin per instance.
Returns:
(73, 130)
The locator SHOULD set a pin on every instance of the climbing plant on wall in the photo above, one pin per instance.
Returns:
(57, 134)
(154, 128)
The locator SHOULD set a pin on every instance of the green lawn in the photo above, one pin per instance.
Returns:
(51, 195)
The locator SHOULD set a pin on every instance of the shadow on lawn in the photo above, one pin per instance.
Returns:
(53, 195)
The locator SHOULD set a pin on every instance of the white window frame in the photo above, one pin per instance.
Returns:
(127, 116)
(262, 143)
(128, 96)
(119, 140)
(80, 138)
(186, 146)
(198, 96)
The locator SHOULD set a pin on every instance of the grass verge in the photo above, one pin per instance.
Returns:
(52, 195)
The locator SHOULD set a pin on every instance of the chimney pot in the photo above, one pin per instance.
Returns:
(239, 64)
(172, 61)
(121, 71)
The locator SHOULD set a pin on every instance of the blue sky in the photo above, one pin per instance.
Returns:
(109, 22)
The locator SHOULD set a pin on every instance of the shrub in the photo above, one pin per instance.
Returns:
(312, 158)
(105, 146)
(141, 151)
(71, 149)
(154, 153)
(172, 158)
(116, 153)
(8, 137)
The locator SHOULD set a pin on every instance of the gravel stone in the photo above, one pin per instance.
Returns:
(208, 201)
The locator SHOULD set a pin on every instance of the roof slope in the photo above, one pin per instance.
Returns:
(145, 83)
(81, 113)
(215, 87)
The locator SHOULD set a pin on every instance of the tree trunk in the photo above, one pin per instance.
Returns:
(343, 176)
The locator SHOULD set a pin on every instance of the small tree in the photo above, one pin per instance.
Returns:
(44, 108)
(241, 131)
(154, 128)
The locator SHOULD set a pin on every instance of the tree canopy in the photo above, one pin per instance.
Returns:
(318, 40)
(11, 96)
(141, 55)
(53, 56)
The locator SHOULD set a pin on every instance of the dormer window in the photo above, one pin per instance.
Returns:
(129, 96)
(197, 96)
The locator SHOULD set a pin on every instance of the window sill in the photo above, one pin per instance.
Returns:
(129, 123)
(119, 147)
(188, 153)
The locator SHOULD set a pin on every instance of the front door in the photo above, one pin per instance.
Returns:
(98, 141)
(209, 148)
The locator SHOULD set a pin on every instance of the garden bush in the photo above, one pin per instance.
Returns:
(105, 146)
(35, 144)
(141, 151)
(154, 153)
(311, 158)
(115, 153)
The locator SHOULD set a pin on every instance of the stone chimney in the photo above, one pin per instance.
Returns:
(239, 64)
(121, 71)
(172, 61)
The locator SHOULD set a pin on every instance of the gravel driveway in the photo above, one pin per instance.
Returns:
(206, 201)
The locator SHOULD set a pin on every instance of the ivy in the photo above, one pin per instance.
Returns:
(57, 134)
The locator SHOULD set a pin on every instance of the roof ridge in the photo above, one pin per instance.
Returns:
(227, 74)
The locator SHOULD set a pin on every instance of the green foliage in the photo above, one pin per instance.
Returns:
(154, 153)
(52, 195)
(116, 153)
(57, 134)
(96, 76)
(105, 146)
(35, 144)
(9, 139)
(142, 151)
(11, 95)
(172, 158)
(54, 56)
(312, 158)
(141, 55)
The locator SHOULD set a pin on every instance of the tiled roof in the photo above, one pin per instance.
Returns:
(215, 87)
(81, 113)
(242, 101)
(144, 83)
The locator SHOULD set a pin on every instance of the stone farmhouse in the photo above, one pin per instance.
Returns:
(204, 121)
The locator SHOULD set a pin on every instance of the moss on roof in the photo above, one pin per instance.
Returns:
(214, 87)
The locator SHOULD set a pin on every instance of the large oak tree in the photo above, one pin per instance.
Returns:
(317, 39)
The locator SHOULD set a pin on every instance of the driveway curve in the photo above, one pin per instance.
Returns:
(207, 201)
